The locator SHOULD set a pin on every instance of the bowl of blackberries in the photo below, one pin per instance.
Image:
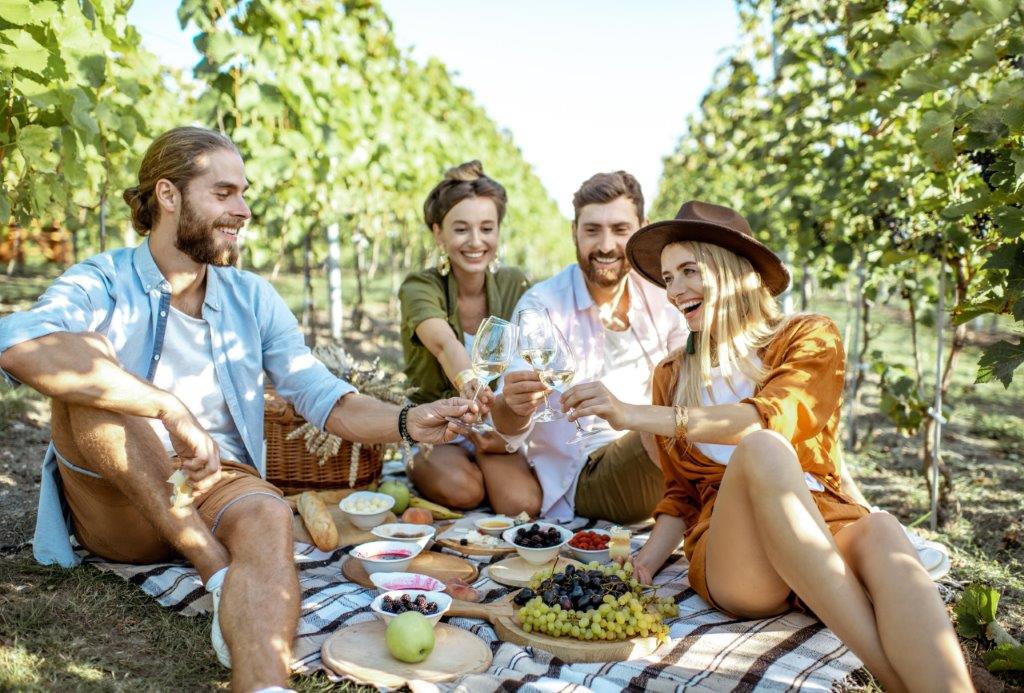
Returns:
(537, 542)
(433, 605)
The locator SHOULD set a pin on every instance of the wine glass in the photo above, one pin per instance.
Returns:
(537, 347)
(493, 348)
(559, 374)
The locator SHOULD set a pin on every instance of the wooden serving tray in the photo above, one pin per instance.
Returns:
(501, 615)
(442, 566)
(515, 571)
(361, 653)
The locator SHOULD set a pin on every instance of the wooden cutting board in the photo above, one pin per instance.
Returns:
(360, 652)
(442, 566)
(348, 533)
(501, 615)
(446, 540)
(515, 571)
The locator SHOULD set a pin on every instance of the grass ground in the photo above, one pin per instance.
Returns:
(84, 630)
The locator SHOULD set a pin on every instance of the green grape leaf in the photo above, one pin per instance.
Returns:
(1005, 658)
(935, 138)
(998, 362)
(896, 56)
(16, 12)
(35, 142)
(967, 27)
(1010, 221)
(994, 10)
(28, 54)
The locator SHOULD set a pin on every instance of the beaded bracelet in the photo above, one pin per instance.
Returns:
(403, 427)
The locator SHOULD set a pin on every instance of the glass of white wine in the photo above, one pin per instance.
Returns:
(493, 348)
(537, 347)
(559, 374)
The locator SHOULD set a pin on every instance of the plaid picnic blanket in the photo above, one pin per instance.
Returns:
(707, 651)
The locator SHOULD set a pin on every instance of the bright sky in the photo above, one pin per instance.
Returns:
(583, 85)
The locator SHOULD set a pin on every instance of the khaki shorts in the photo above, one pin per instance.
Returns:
(620, 482)
(109, 525)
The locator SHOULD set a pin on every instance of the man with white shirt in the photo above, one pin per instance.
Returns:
(619, 328)
(155, 359)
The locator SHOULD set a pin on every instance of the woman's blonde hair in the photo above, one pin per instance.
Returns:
(740, 317)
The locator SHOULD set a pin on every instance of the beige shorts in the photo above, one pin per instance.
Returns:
(619, 482)
(108, 524)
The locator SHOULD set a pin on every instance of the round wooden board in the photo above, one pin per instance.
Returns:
(500, 614)
(442, 566)
(360, 652)
(470, 549)
(515, 571)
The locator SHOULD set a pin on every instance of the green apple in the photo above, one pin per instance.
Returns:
(398, 491)
(410, 637)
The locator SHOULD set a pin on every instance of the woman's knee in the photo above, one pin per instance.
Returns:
(764, 456)
(464, 491)
(872, 534)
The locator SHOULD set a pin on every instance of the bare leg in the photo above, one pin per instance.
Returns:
(511, 485)
(259, 607)
(125, 451)
(912, 622)
(764, 493)
(449, 477)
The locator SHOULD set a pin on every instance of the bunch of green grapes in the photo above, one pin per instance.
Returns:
(596, 603)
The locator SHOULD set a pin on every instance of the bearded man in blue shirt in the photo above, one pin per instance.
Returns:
(154, 358)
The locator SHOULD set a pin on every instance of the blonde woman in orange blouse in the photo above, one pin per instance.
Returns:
(746, 418)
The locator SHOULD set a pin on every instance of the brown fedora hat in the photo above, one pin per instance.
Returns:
(708, 223)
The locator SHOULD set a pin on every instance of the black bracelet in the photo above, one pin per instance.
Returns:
(403, 424)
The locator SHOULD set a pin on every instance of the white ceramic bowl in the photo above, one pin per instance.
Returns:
(385, 582)
(537, 556)
(443, 601)
(364, 520)
(370, 555)
(600, 555)
(421, 534)
(494, 531)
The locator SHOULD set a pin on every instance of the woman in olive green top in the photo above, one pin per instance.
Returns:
(442, 308)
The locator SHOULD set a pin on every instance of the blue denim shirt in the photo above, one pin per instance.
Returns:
(122, 295)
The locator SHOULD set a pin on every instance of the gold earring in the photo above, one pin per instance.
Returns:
(493, 266)
(443, 265)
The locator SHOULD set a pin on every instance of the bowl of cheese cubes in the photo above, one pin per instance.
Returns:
(366, 509)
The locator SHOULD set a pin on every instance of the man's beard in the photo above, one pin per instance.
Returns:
(600, 276)
(198, 238)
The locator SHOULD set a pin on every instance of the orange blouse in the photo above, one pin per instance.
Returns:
(800, 399)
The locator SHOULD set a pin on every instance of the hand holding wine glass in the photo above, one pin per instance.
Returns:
(559, 373)
(537, 347)
(493, 347)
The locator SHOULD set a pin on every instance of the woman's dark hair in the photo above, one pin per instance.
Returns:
(174, 156)
(460, 183)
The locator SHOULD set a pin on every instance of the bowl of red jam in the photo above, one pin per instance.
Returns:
(386, 556)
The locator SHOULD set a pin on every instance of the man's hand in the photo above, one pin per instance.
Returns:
(197, 451)
(484, 397)
(489, 442)
(524, 392)
(427, 422)
(594, 399)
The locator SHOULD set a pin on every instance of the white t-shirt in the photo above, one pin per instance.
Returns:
(186, 370)
(721, 393)
(627, 374)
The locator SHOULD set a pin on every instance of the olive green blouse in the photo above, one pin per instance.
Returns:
(427, 294)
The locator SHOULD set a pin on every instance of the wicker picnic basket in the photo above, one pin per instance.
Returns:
(294, 469)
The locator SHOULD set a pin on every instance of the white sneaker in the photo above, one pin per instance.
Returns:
(214, 585)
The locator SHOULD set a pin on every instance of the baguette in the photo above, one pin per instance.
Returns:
(318, 521)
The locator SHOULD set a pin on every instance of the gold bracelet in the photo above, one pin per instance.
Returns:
(464, 377)
(682, 420)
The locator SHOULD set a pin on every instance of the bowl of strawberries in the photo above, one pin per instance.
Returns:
(591, 545)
